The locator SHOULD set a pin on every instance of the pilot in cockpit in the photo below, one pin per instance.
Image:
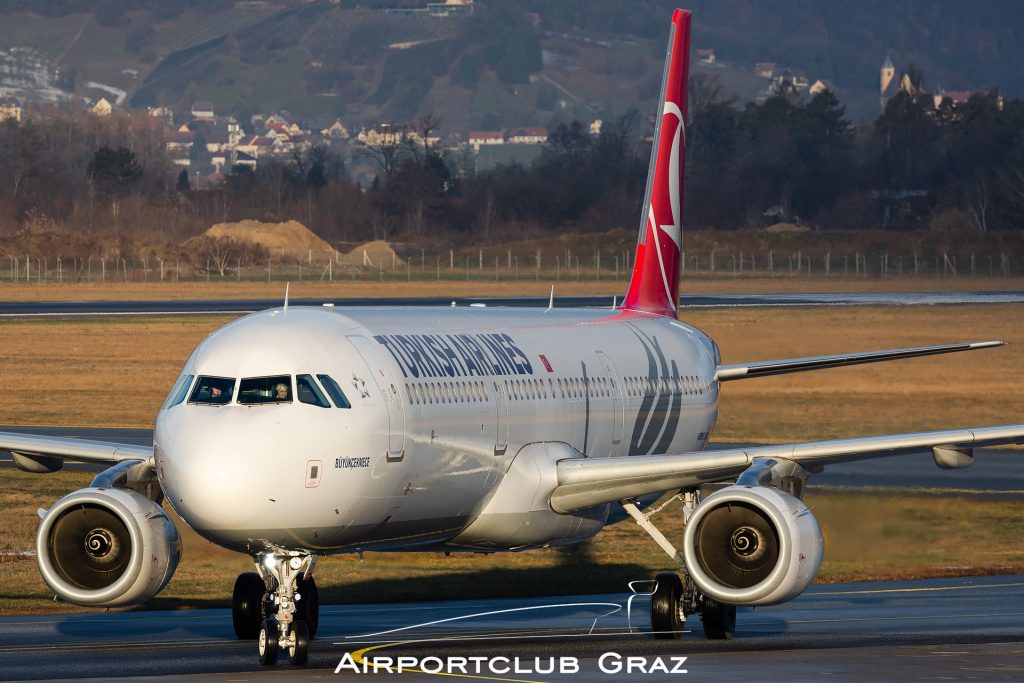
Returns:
(281, 392)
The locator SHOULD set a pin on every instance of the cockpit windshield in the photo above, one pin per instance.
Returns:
(179, 391)
(308, 392)
(337, 395)
(213, 390)
(259, 390)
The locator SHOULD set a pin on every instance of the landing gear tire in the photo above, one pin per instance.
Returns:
(666, 607)
(719, 620)
(308, 608)
(298, 651)
(247, 605)
(267, 641)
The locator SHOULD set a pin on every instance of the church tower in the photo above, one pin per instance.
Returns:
(888, 73)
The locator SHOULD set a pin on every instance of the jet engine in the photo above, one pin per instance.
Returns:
(106, 547)
(752, 545)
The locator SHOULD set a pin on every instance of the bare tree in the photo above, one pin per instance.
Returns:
(387, 149)
(977, 199)
(703, 91)
(220, 253)
(488, 215)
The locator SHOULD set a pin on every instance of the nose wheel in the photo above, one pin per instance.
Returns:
(283, 617)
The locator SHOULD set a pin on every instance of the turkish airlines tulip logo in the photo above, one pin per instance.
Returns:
(673, 229)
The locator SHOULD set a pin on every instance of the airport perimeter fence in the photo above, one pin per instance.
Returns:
(483, 265)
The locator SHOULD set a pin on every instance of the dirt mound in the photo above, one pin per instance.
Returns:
(291, 239)
(376, 254)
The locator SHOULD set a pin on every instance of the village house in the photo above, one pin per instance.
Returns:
(528, 136)
(10, 111)
(102, 108)
(385, 136)
(765, 69)
(243, 160)
(218, 141)
(430, 141)
(202, 110)
(479, 138)
(959, 98)
(337, 131)
(821, 85)
(255, 146)
(706, 56)
(234, 129)
(164, 114)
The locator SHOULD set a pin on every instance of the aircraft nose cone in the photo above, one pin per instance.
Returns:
(217, 477)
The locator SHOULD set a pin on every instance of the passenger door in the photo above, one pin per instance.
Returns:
(390, 392)
(500, 418)
(617, 396)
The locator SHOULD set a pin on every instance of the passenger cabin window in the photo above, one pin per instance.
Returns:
(179, 391)
(334, 391)
(260, 390)
(307, 391)
(213, 390)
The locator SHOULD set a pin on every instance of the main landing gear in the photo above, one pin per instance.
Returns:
(675, 597)
(278, 605)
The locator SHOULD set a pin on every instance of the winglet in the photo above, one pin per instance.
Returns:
(654, 287)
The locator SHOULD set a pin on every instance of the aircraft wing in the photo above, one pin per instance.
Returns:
(593, 481)
(36, 453)
(725, 373)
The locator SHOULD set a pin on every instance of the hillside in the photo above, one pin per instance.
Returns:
(502, 64)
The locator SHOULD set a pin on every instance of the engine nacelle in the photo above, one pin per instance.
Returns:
(106, 547)
(752, 545)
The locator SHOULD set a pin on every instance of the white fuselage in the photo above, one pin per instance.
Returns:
(442, 402)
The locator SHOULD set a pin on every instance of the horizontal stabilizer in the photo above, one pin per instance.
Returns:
(594, 481)
(726, 373)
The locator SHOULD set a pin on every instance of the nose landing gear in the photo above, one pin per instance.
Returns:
(279, 605)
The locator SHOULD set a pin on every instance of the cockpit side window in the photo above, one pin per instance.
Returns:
(179, 391)
(307, 391)
(259, 390)
(335, 392)
(213, 390)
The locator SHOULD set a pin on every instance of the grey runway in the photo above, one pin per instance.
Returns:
(238, 306)
(903, 630)
(994, 472)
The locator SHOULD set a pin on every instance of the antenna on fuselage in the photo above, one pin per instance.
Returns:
(551, 299)
(287, 286)
(615, 301)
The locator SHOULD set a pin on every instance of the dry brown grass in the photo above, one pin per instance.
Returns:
(116, 372)
(110, 372)
(868, 536)
(965, 389)
(370, 286)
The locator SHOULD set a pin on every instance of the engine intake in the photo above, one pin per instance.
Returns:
(752, 545)
(107, 547)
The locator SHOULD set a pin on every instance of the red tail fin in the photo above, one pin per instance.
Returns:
(655, 284)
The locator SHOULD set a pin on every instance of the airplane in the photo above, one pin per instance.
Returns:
(300, 432)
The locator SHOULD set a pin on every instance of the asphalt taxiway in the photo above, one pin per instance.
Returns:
(949, 629)
(15, 309)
